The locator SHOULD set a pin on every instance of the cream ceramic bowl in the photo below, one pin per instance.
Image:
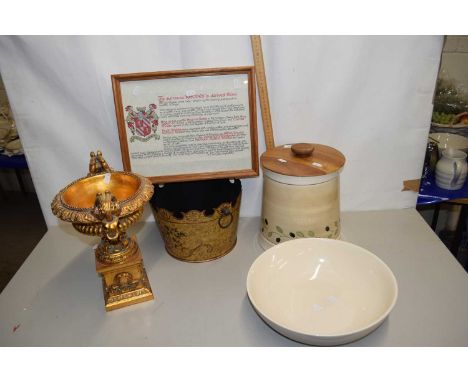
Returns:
(321, 291)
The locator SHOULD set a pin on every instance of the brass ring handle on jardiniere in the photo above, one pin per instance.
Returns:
(225, 212)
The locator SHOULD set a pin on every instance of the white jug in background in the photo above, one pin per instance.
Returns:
(451, 170)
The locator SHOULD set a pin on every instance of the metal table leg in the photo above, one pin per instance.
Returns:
(435, 217)
(3, 193)
(459, 231)
(20, 180)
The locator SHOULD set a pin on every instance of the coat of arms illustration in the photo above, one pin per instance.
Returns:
(143, 123)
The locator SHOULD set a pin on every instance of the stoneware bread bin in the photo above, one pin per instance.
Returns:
(301, 193)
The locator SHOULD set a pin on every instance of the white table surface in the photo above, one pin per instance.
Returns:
(56, 299)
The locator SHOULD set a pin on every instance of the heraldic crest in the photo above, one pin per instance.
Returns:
(143, 123)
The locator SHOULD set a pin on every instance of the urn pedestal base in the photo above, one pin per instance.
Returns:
(125, 283)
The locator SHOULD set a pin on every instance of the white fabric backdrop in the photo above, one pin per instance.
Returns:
(368, 96)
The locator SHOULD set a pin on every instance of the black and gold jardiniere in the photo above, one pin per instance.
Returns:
(198, 220)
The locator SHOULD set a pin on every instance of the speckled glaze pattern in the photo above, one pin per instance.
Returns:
(293, 212)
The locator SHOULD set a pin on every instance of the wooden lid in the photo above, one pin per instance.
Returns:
(303, 159)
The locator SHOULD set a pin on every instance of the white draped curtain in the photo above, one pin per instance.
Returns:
(368, 96)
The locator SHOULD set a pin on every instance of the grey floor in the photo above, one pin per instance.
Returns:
(22, 226)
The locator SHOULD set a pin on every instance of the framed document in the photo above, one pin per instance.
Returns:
(188, 124)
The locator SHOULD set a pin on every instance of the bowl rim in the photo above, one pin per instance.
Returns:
(84, 215)
(140, 186)
(447, 125)
(375, 322)
(448, 136)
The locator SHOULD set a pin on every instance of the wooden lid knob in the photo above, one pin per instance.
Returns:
(303, 159)
(302, 149)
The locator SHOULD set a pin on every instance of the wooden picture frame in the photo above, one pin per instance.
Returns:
(188, 124)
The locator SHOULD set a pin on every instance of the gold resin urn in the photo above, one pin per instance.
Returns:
(105, 203)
